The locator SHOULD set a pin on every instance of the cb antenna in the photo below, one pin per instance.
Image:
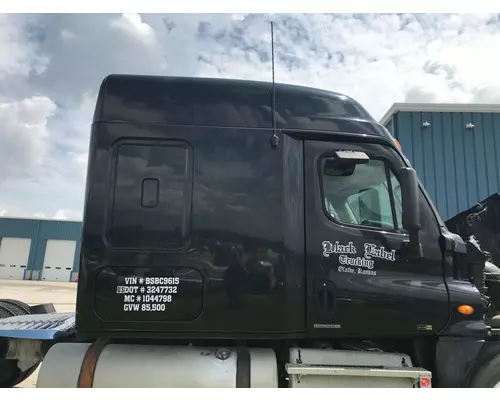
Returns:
(275, 139)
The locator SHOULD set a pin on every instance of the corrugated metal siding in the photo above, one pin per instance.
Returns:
(390, 126)
(458, 167)
(39, 231)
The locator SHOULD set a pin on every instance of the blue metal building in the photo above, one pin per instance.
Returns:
(455, 149)
(39, 249)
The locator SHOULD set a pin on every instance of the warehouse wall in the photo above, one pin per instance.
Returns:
(39, 231)
(20, 228)
(458, 167)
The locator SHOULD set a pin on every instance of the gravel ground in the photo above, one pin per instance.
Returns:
(61, 294)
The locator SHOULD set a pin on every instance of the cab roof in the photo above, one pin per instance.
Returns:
(188, 101)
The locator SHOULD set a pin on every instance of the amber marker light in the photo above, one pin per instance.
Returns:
(398, 144)
(465, 309)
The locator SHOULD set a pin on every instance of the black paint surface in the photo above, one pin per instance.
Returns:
(182, 182)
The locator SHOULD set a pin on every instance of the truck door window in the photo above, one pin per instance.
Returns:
(362, 194)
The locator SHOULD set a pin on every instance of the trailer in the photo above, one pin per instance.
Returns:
(250, 234)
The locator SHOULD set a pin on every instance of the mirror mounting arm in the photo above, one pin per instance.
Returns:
(412, 248)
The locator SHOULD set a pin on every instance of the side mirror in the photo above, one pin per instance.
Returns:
(411, 209)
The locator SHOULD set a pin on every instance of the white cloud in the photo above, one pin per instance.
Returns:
(67, 35)
(133, 25)
(61, 214)
(239, 17)
(51, 67)
(24, 138)
(18, 54)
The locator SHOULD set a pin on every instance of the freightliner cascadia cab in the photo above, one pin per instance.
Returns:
(208, 215)
(247, 234)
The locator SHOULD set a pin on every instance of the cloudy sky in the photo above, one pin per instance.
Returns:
(52, 65)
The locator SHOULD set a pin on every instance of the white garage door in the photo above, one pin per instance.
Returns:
(58, 262)
(14, 254)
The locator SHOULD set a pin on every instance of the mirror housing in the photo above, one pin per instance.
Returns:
(356, 157)
(344, 162)
(411, 209)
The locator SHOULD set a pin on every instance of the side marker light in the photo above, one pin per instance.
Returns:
(465, 309)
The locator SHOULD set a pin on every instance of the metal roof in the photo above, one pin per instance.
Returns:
(40, 219)
(439, 107)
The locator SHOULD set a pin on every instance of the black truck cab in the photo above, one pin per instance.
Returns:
(232, 209)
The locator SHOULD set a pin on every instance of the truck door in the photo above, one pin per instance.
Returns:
(359, 279)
